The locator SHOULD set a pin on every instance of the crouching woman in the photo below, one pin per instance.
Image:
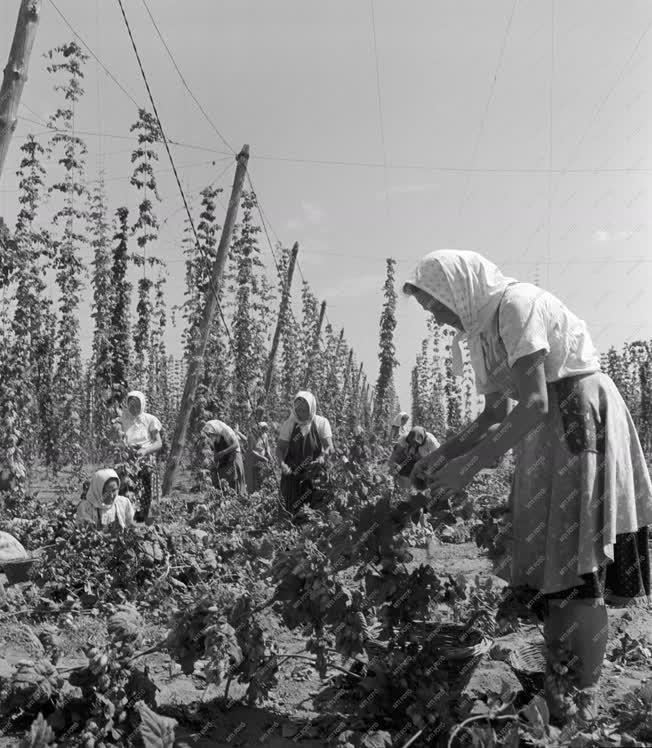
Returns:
(102, 505)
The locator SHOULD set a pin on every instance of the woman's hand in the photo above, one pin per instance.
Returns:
(420, 476)
(453, 477)
(285, 469)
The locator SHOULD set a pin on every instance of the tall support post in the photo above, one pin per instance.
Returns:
(347, 375)
(196, 362)
(315, 344)
(282, 316)
(15, 74)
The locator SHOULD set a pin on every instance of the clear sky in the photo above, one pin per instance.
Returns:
(516, 128)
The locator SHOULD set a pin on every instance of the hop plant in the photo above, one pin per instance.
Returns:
(126, 625)
(33, 683)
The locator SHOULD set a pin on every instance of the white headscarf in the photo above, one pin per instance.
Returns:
(96, 487)
(470, 286)
(312, 403)
(128, 419)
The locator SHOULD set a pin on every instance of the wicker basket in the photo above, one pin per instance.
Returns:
(459, 647)
(17, 569)
(529, 660)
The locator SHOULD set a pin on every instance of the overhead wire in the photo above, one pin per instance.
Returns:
(181, 190)
(483, 122)
(95, 57)
(381, 121)
(183, 80)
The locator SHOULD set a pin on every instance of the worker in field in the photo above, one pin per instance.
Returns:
(581, 498)
(227, 456)
(142, 435)
(400, 427)
(102, 505)
(409, 449)
(304, 441)
(258, 456)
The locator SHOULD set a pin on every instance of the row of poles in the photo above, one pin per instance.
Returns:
(14, 78)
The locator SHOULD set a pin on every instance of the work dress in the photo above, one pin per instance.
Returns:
(229, 468)
(137, 435)
(257, 444)
(581, 497)
(298, 488)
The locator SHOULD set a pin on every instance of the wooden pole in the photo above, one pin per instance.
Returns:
(315, 344)
(282, 314)
(347, 375)
(333, 370)
(210, 307)
(15, 74)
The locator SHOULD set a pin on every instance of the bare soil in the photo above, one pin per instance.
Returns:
(284, 719)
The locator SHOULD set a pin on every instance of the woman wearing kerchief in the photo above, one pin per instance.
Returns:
(142, 434)
(103, 505)
(400, 427)
(257, 456)
(303, 442)
(227, 456)
(581, 498)
(409, 449)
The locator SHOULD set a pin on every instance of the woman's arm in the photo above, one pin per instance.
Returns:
(531, 409)
(528, 415)
(281, 451)
(155, 446)
(494, 413)
(227, 451)
(327, 445)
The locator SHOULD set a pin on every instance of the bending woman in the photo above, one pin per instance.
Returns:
(581, 498)
(409, 449)
(227, 456)
(103, 505)
(142, 434)
(303, 443)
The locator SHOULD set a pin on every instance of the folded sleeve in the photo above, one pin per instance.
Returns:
(129, 512)
(524, 326)
(85, 513)
(285, 432)
(324, 428)
(154, 424)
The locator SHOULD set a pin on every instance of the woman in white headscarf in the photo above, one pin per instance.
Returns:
(227, 455)
(581, 498)
(400, 427)
(103, 505)
(304, 440)
(142, 434)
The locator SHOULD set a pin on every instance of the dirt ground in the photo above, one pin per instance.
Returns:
(283, 719)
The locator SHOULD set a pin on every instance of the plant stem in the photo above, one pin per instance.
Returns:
(476, 718)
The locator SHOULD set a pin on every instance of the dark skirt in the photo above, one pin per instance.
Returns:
(230, 470)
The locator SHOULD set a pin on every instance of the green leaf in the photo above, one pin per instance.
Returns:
(378, 739)
(40, 734)
(156, 731)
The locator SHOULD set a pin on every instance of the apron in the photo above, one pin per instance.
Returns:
(557, 518)
(229, 468)
(297, 489)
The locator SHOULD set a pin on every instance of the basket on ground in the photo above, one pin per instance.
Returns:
(454, 648)
(17, 569)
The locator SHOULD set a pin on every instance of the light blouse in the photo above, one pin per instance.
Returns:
(321, 423)
(121, 510)
(533, 320)
(140, 432)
